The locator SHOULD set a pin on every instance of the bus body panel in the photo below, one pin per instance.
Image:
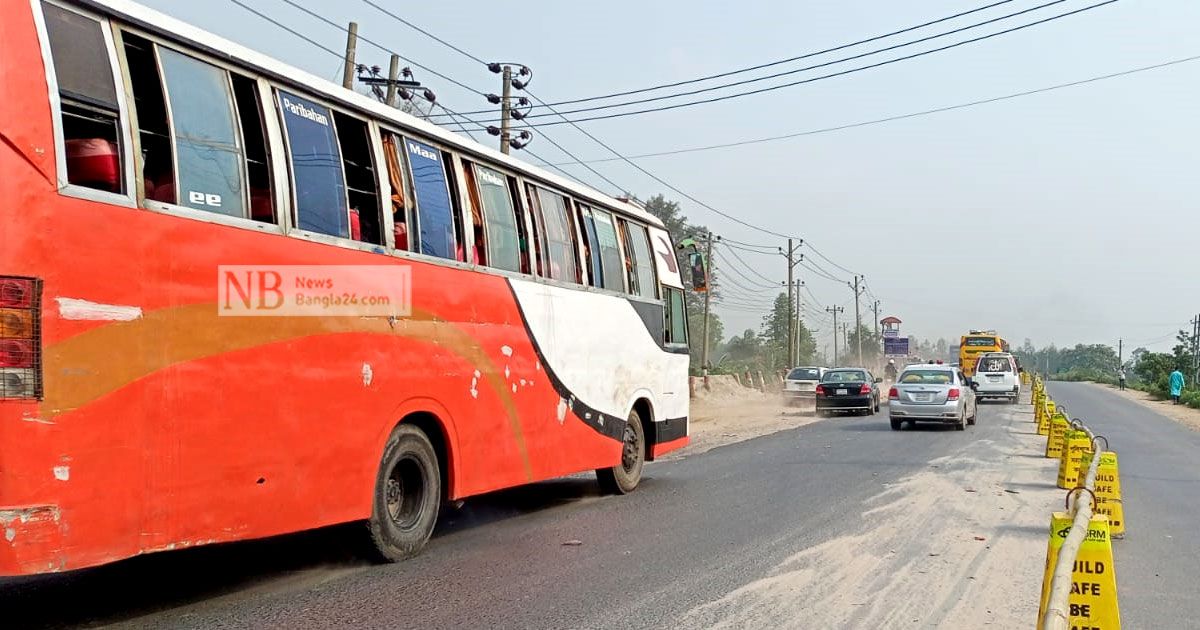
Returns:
(165, 425)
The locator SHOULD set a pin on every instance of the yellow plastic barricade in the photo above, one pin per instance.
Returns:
(1054, 441)
(1075, 444)
(1093, 600)
(1108, 489)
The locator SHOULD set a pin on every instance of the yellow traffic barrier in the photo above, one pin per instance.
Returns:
(1093, 598)
(1048, 411)
(1075, 444)
(1108, 488)
(1039, 407)
(1054, 440)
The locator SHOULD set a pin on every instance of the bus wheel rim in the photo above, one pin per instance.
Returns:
(629, 451)
(404, 493)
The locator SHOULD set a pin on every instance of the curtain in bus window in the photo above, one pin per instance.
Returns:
(208, 149)
(434, 212)
(560, 245)
(610, 255)
(643, 261)
(321, 204)
(502, 236)
(589, 232)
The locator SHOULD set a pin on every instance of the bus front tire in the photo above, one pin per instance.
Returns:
(408, 495)
(624, 477)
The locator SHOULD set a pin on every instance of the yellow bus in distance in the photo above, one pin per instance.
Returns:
(976, 343)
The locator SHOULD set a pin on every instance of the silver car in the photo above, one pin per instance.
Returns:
(932, 393)
(800, 385)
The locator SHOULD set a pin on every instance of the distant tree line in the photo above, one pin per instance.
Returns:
(1144, 370)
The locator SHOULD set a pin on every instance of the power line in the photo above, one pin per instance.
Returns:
(817, 78)
(806, 68)
(425, 33)
(289, 29)
(620, 155)
(773, 283)
(827, 259)
(742, 275)
(732, 72)
(318, 16)
(927, 112)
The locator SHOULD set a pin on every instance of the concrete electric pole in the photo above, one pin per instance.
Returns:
(351, 45)
(707, 304)
(835, 310)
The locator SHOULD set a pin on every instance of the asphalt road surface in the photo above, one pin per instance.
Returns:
(1158, 562)
(839, 523)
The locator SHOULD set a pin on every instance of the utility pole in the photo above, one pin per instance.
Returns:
(876, 319)
(835, 310)
(792, 261)
(393, 79)
(1120, 354)
(857, 318)
(351, 45)
(1196, 350)
(790, 337)
(796, 325)
(506, 110)
(707, 299)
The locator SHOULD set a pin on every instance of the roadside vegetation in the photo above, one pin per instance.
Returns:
(1098, 363)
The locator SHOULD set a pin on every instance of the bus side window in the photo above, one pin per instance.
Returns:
(675, 331)
(478, 230)
(525, 223)
(435, 213)
(316, 161)
(610, 252)
(209, 158)
(637, 242)
(354, 140)
(254, 136)
(502, 234)
(559, 235)
(591, 247)
(401, 197)
(88, 99)
(153, 129)
(537, 245)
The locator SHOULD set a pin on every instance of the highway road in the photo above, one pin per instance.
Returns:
(1158, 561)
(838, 523)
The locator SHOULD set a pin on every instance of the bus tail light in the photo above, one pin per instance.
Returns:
(20, 338)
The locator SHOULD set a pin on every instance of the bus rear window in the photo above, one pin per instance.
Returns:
(994, 365)
(987, 342)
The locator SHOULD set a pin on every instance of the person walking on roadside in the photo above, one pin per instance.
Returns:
(1121, 378)
(1176, 383)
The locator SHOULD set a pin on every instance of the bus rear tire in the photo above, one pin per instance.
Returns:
(624, 477)
(408, 495)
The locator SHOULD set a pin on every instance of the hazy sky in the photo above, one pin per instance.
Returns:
(1070, 216)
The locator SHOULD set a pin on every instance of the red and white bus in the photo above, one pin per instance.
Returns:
(544, 334)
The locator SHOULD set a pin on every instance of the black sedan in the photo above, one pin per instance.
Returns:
(848, 389)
